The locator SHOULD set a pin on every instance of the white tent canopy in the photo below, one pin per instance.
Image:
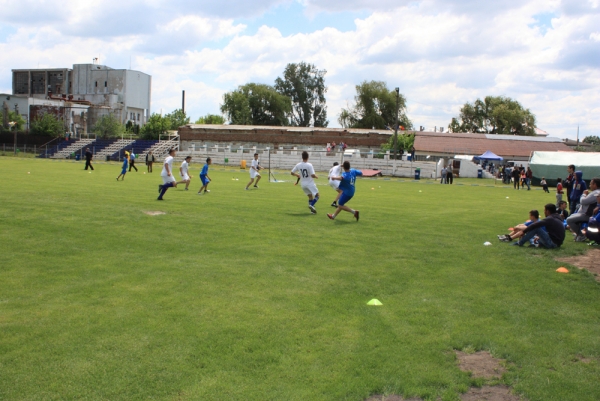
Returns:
(553, 165)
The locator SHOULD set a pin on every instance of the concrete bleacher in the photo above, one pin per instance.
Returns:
(113, 149)
(49, 152)
(72, 147)
(161, 148)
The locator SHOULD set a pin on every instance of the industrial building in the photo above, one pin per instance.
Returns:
(81, 95)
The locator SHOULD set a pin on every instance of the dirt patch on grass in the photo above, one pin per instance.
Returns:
(480, 364)
(489, 393)
(154, 213)
(589, 261)
(392, 397)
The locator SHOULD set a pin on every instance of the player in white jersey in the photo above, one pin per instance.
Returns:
(167, 175)
(335, 171)
(254, 172)
(183, 171)
(305, 171)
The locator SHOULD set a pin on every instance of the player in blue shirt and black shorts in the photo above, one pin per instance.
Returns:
(347, 181)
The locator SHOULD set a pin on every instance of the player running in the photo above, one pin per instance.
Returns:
(347, 180)
(205, 178)
(167, 175)
(305, 171)
(183, 171)
(254, 172)
(335, 184)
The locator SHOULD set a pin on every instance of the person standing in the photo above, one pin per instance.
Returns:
(183, 171)
(449, 174)
(123, 169)
(579, 186)
(516, 177)
(305, 171)
(132, 161)
(528, 177)
(149, 161)
(205, 178)
(444, 173)
(347, 182)
(335, 171)
(569, 182)
(254, 172)
(167, 175)
(88, 159)
(412, 153)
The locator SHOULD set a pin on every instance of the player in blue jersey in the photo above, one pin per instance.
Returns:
(204, 177)
(123, 169)
(347, 180)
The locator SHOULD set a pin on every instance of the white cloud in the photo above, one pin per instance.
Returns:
(441, 54)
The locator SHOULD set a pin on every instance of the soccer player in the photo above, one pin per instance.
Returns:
(305, 171)
(167, 175)
(183, 171)
(204, 177)
(347, 180)
(123, 169)
(254, 172)
(88, 159)
(335, 184)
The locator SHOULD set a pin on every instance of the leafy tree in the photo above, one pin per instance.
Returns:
(494, 115)
(108, 127)
(375, 108)
(48, 125)
(177, 118)
(211, 119)
(304, 84)
(156, 126)
(132, 128)
(18, 119)
(256, 104)
(405, 142)
(594, 140)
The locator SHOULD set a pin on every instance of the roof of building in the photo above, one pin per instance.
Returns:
(213, 127)
(507, 146)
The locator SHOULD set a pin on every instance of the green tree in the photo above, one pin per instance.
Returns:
(18, 119)
(494, 115)
(156, 126)
(48, 125)
(304, 84)
(256, 104)
(177, 118)
(405, 141)
(594, 140)
(132, 128)
(108, 127)
(211, 119)
(375, 108)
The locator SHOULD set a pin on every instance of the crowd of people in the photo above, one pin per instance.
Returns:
(582, 219)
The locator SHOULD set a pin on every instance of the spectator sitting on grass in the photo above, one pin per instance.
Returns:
(517, 231)
(592, 232)
(554, 234)
(562, 211)
(587, 203)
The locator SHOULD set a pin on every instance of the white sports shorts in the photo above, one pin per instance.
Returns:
(168, 178)
(254, 173)
(185, 177)
(335, 184)
(310, 189)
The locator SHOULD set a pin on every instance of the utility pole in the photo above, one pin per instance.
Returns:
(577, 135)
(183, 101)
(396, 125)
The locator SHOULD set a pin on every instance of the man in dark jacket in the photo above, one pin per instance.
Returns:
(554, 233)
(568, 184)
(88, 159)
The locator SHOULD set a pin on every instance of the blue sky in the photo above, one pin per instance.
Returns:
(441, 53)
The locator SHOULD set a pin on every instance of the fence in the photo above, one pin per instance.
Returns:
(286, 159)
(21, 149)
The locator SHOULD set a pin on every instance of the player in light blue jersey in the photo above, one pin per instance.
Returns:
(347, 180)
(204, 177)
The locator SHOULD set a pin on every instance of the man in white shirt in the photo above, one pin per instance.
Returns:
(183, 171)
(305, 171)
(335, 171)
(254, 172)
(167, 175)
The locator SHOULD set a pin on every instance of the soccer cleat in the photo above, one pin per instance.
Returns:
(516, 244)
(312, 209)
(330, 216)
(580, 238)
(334, 204)
(199, 193)
(356, 215)
(534, 246)
(247, 189)
(256, 186)
(186, 189)
(206, 191)
(505, 238)
(159, 198)
(313, 212)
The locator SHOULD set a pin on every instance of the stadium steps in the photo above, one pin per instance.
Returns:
(160, 149)
(113, 148)
(74, 147)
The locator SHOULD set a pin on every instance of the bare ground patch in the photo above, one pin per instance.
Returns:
(480, 364)
(392, 397)
(490, 393)
(589, 261)
(154, 212)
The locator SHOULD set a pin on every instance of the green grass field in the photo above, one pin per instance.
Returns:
(243, 295)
